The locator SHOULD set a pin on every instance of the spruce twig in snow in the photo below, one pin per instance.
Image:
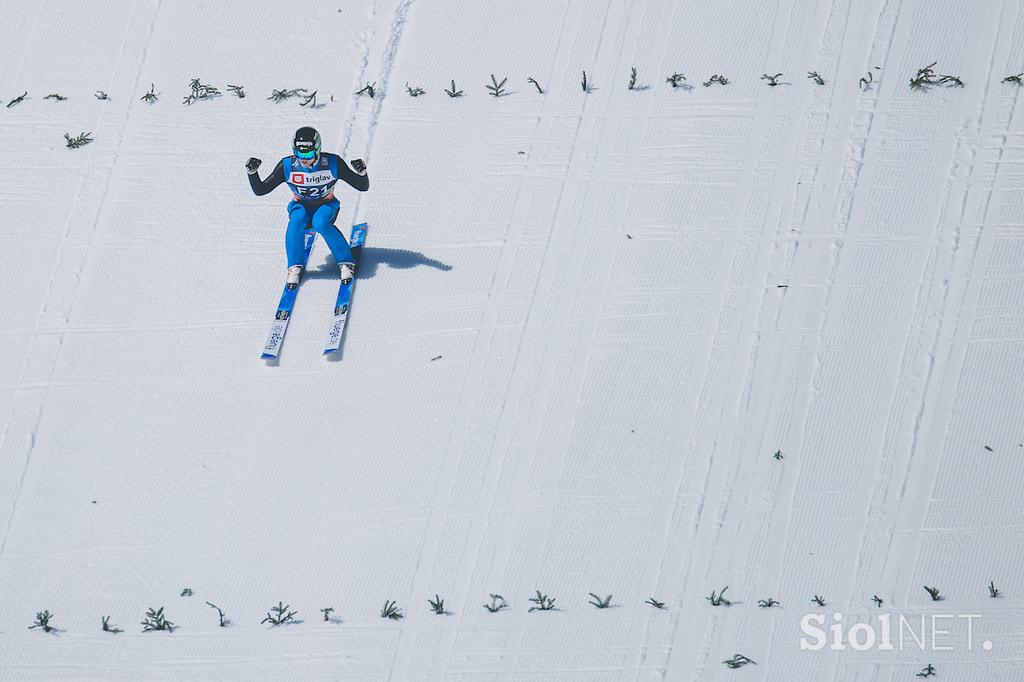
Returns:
(309, 100)
(587, 87)
(368, 89)
(813, 75)
(767, 603)
(107, 627)
(327, 613)
(201, 91)
(187, 592)
(535, 84)
(80, 141)
(237, 89)
(933, 592)
(772, 80)
(676, 79)
(99, 94)
(719, 598)
(992, 591)
(928, 671)
(738, 661)
(497, 603)
(866, 81)
(543, 602)
(926, 77)
(989, 448)
(778, 454)
(877, 600)
(43, 621)
(59, 98)
(818, 599)
(391, 610)
(414, 92)
(655, 603)
(721, 80)
(632, 79)
(497, 89)
(220, 614)
(18, 100)
(437, 604)
(150, 96)
(599, 603)
(155, 620)
(1016, 78)
(453, 92)
(279, 615)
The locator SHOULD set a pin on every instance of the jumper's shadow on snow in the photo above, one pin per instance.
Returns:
(372, 258)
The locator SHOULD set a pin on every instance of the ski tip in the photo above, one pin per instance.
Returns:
(330, 351)
(268, 356)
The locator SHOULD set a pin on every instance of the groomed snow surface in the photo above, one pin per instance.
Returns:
(584, 324)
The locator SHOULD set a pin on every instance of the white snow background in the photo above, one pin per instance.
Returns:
(584, 324)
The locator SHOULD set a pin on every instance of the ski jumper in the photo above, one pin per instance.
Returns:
(313, 202)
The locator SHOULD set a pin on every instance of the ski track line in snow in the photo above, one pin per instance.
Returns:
(476, 375)
(27, 476)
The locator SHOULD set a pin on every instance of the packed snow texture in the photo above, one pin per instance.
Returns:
(584, 323)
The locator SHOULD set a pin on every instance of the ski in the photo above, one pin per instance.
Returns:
(272, 349)
(344, 301)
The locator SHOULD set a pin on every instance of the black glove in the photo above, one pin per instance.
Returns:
(252, 165)
(358, 166)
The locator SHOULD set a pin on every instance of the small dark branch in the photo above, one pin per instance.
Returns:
(327, 613)
(778, 454)
(926, 77)
(866, 81)
(928, 671)
(497, 89)
(107, 627)
(309, 100)
(989, 448)
(599, 603)
(368, 89)
(950, 81)
(877, 600)
(414, 92)
(767, 603)
(436, 357)
(632, 78)
(437, 604)
(818, 599)
(655, 603)
(772, 80)
(677, 79)
(391, 610)
(738, 661)
(150, 96)
(718, 599)
(101, 95)
(281, 95)
(543, 602)
(279, 615)
(58, 97)
(43, 621)
(1016, 78)
(155, 620)
(201, 91)
(586, 86)
(992, 591)
(721, 80)
(535, 84)
(187, 592)
(18, 100)
(497, 603)
(813, 75)
(238, 90)
(80, 140)
(220, 614)
(453, 92)
(933, 592)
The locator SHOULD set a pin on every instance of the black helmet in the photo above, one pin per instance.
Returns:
(306, 144)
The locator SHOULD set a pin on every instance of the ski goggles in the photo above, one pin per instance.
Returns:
(306, 155)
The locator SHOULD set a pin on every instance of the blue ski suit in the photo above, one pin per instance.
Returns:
(313, 202)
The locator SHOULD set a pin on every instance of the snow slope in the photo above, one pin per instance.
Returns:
(636, 296)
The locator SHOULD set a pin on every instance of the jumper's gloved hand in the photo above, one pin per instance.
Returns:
(252, 165)
(358, 166)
